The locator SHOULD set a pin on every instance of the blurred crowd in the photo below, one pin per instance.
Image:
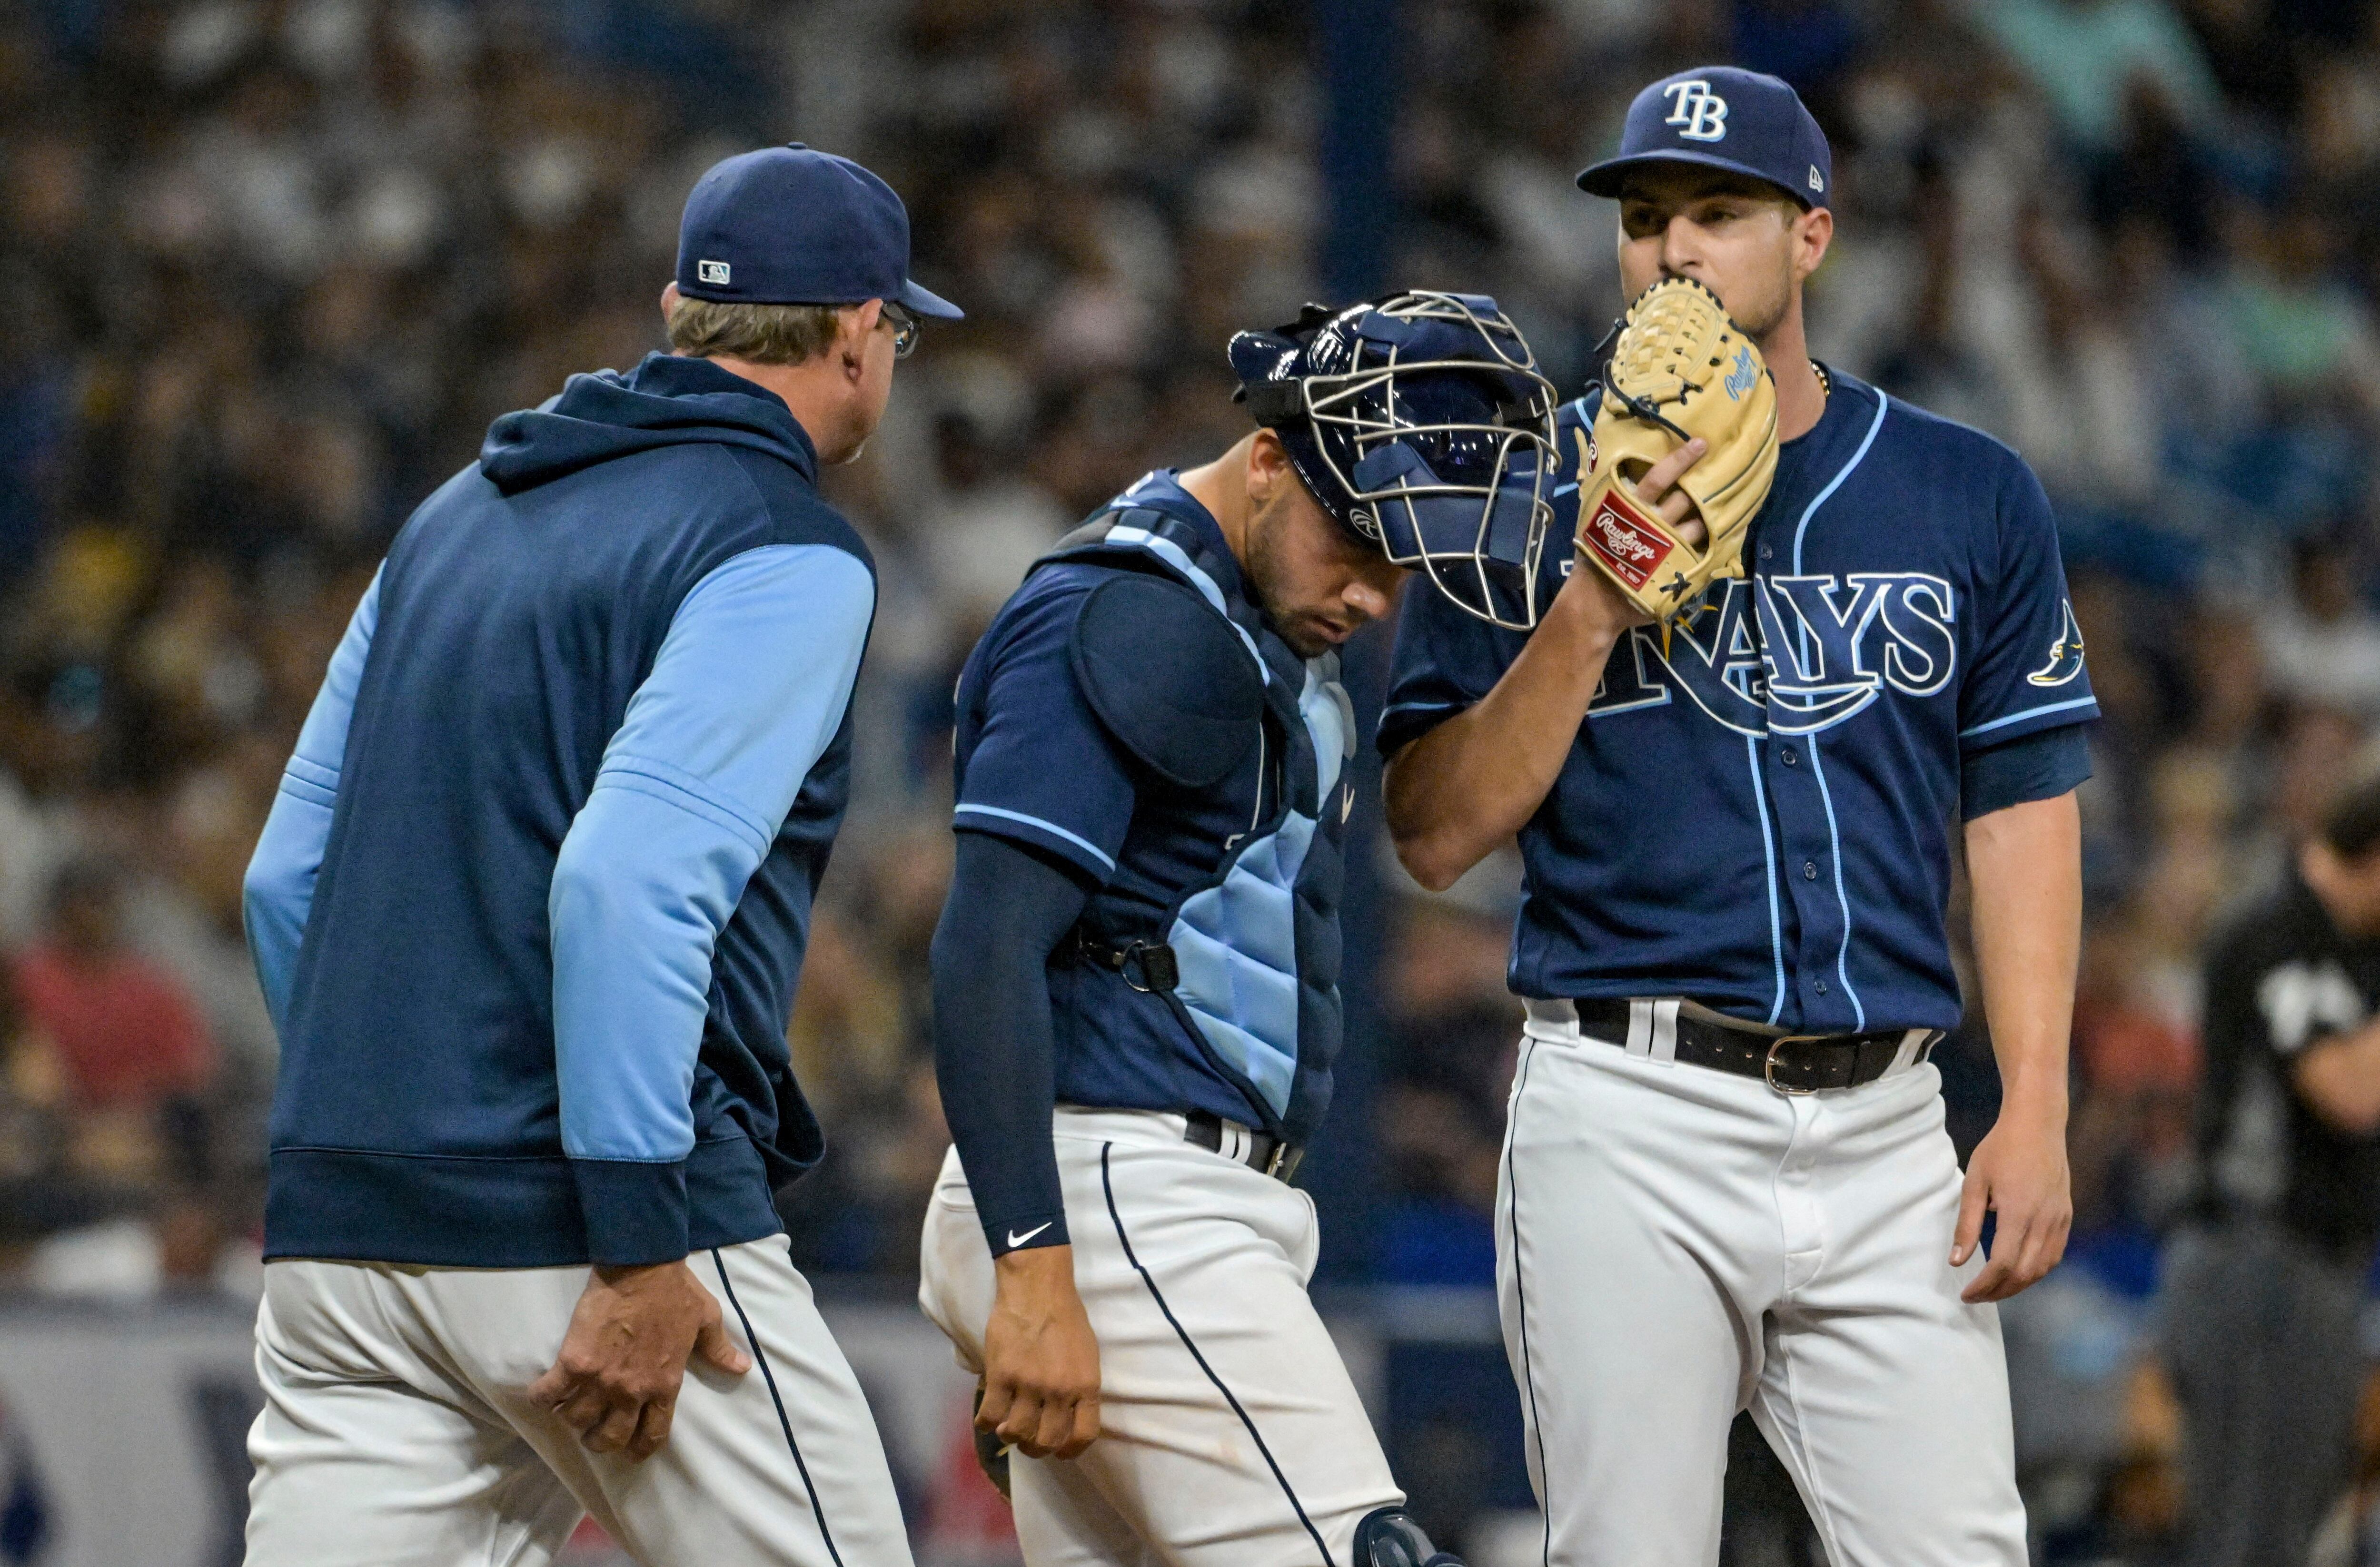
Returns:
(278, 263)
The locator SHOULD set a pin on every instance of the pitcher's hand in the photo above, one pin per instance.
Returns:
(1657, 490)
(2019, 1171)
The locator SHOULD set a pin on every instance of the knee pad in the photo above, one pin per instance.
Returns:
(1387, 1537)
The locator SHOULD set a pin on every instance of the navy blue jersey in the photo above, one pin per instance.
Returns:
(1758, 815)
(1219, 871)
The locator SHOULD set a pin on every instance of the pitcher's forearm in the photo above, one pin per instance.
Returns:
(1472, 782)
(2025, 865)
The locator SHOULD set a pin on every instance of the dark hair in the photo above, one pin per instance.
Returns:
(2351, 823)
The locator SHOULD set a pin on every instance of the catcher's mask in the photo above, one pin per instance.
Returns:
(1420, 422)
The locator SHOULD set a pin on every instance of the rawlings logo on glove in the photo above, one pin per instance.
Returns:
(1679, 369)
(1623, 545)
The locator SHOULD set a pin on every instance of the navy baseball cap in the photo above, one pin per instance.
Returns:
(1724, 118)
(792, 225)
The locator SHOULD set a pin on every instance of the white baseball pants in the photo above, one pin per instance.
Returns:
(396, 1432)
(1230, 1435)
(1675, 1245)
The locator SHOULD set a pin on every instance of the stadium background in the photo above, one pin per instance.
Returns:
(273, 265)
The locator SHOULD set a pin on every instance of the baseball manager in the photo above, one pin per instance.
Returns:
(528, 911)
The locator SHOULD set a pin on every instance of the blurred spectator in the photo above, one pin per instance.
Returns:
(125, 1030)
(2087, 59)
(2322, 645)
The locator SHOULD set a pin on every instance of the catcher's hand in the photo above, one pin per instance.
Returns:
(1682, 369)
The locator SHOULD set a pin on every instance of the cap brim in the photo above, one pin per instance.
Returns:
(1606, 179)
(926, 302)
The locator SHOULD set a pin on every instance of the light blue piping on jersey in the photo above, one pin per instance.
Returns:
(1834, 834)
(1882, 402)
(1769, 873)
(1843, 954)
(2028, 713)
(1085, 845)
(1421, 708)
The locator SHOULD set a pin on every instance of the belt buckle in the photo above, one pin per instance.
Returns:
(1282, 1165)
(1769, 1064)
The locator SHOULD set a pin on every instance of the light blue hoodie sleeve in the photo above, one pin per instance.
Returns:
(279, 888)
(747, 691)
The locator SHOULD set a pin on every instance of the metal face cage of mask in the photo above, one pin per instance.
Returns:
(1427, 412)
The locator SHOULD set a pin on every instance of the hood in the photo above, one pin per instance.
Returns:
(666, 401)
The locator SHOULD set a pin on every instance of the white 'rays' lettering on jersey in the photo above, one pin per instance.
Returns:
(1792, 655)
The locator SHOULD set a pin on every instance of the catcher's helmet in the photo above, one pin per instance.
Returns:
(1420, 422)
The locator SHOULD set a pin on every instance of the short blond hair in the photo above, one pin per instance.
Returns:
(764, 334)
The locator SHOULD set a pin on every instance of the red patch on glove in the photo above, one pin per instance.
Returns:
(1629, 547)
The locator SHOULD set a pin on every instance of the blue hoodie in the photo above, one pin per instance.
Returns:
(532, 900)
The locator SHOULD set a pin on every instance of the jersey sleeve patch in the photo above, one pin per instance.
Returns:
(1168, 678)
(2029, 672)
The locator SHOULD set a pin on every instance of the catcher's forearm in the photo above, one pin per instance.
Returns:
(2024, 864)
(1468, 785)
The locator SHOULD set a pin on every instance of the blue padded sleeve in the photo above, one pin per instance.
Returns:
(749, 688)
(2040, 765)
(278, 891)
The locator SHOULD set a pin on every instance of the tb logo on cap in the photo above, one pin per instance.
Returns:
(1700, 114)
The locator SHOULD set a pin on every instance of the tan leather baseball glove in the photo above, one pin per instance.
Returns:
(1680, 368)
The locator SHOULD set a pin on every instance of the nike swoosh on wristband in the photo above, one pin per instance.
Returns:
(1015, 1240)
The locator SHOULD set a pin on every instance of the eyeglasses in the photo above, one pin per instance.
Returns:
(905, 329)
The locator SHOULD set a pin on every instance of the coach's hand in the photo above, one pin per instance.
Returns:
(2017, 1172)
(1658, 489)
(631, 1337)
(1040, 1361)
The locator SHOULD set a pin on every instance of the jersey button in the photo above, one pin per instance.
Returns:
(1790, 760)
(1822, 987)
(1809, 870)
(1766, 553)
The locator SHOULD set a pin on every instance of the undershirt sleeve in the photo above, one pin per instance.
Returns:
(1010, 905)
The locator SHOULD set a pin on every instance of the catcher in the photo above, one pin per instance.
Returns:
(1135, 977)
(1726, 1181)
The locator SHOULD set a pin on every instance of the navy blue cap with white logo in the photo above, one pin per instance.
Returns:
(791, 225)
(1725, 118)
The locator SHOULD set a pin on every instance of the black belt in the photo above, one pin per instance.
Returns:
(1788, 1063)
(1266, 1154)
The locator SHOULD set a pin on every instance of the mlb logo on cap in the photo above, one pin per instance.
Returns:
(1723, 119)
(792, 225)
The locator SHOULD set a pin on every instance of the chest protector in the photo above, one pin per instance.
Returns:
(1246, 955)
